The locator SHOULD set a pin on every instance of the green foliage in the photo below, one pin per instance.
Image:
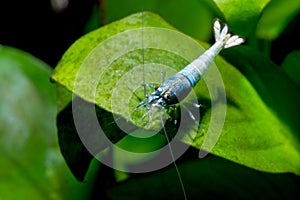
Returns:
(253, 134)
(31, 164)
(291, 66)
(193, 17)
(239, 13)
(261, 130)
(214, 178)
(276, 17)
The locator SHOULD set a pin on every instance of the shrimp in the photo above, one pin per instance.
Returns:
(176, 88)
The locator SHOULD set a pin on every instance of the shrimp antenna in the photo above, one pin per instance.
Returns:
(143, 56)
(172, 155)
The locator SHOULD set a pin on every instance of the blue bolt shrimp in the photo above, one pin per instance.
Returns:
(176, 88)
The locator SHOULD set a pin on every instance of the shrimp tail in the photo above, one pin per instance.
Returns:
(223, 35)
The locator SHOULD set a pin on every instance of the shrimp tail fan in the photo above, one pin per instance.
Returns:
(223, 35)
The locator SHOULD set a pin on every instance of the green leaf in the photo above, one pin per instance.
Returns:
(74, 133)
(242, 15)
(263, 128)
(32, 166)
(66, 74)
(291, 66)
(276, 17)
(105, 68)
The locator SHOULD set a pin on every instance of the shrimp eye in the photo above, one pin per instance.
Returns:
(168, 96)
(156, 87)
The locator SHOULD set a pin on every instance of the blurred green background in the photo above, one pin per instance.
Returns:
(32, 166)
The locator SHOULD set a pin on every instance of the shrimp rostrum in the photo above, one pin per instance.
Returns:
(176, 88)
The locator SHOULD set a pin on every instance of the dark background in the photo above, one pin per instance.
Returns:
(46, 31)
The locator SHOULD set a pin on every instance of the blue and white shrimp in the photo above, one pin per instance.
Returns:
(176, 88)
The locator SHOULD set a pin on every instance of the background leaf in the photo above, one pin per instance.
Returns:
(239, 13)
(291, 66)
(276, 17)
(32, 166)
